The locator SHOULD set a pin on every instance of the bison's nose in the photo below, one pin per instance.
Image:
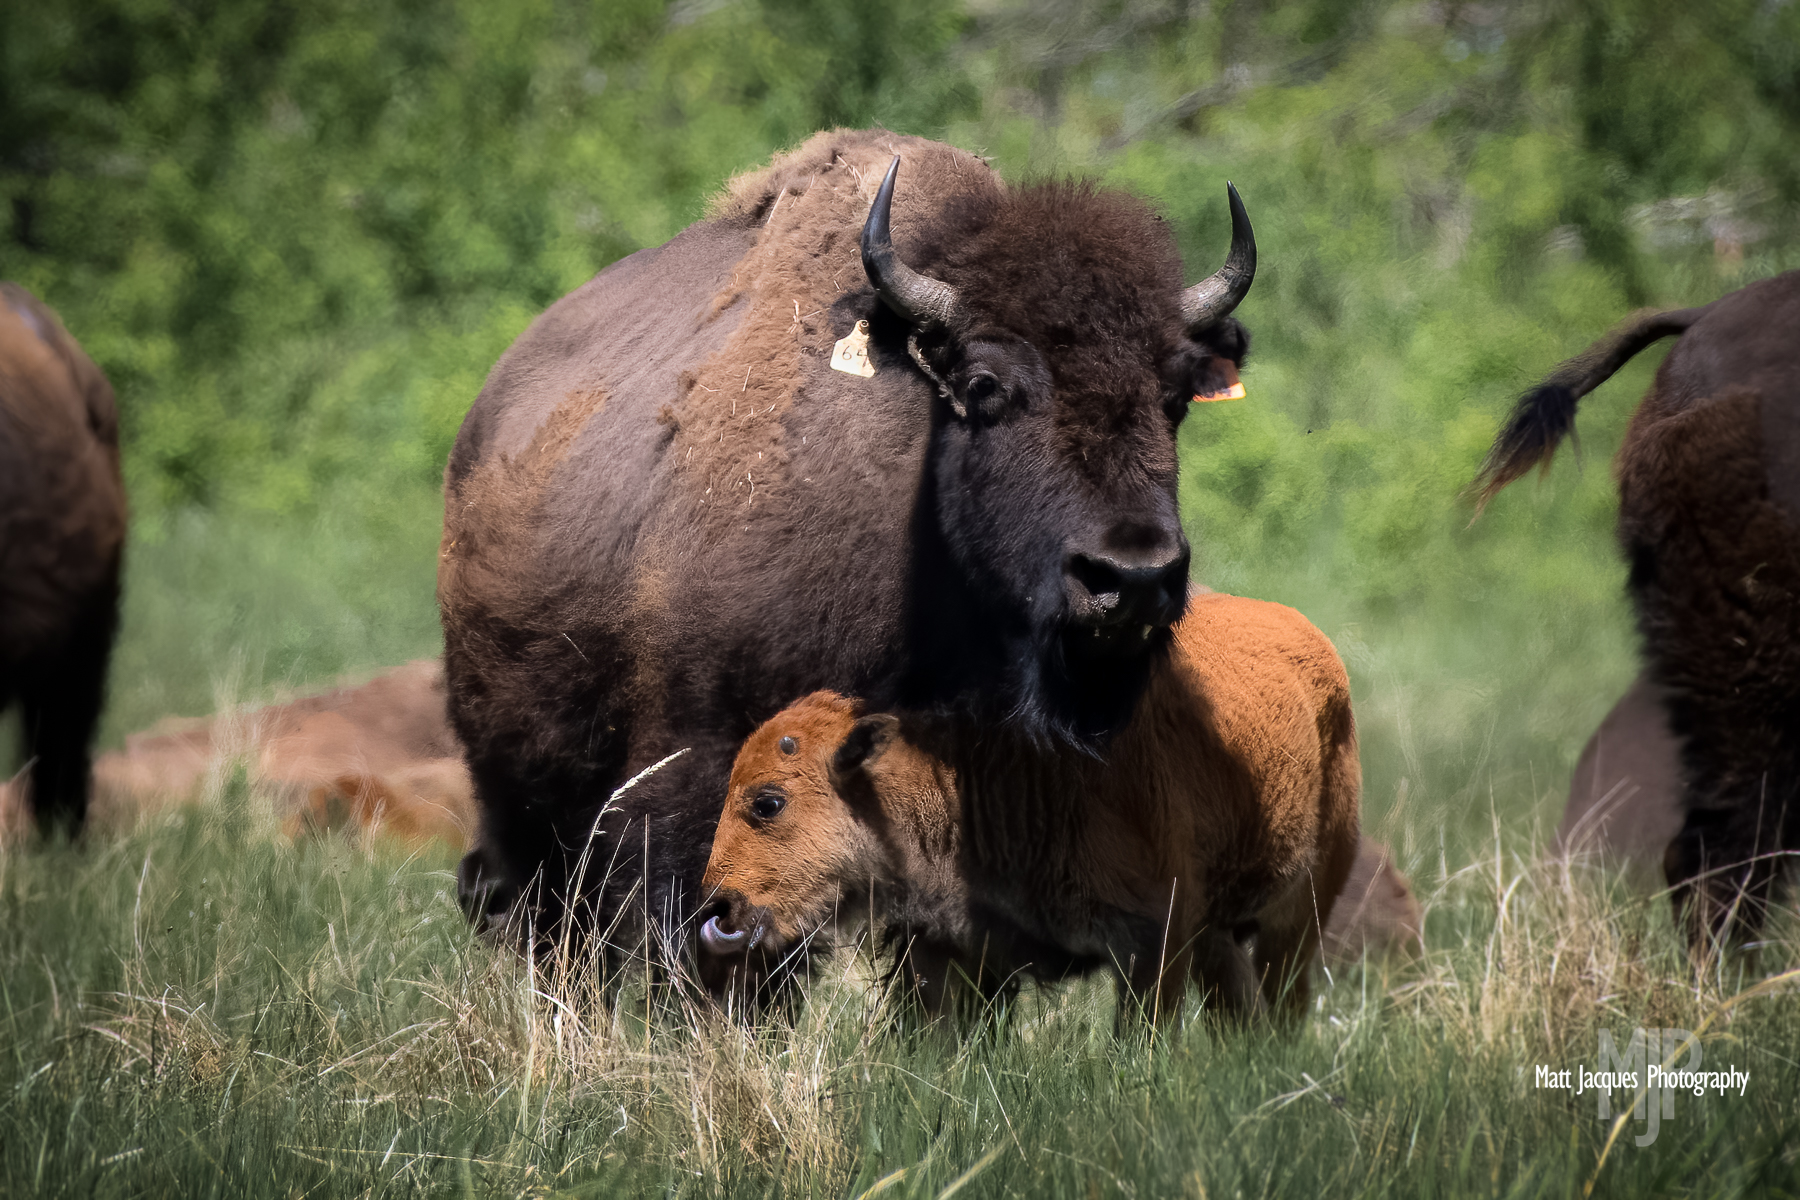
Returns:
(1147, 591)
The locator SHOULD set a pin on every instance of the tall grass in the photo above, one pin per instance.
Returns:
(200, 1008)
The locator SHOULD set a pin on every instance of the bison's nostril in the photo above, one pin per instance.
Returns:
(1107, 590)
(718, 941)
(1097, 578)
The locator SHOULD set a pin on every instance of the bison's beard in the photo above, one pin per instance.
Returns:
(1054, 686)
(1087, 685)
(1040, 674)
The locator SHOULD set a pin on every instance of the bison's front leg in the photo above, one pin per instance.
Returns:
(578, 869)
(939, 979)
(63, 695)
(1152, 986)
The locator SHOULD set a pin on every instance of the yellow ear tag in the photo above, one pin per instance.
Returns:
(1233, 389)
(1234, 392)
(851, 354)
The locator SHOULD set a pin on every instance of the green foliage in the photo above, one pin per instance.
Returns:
(297, 236)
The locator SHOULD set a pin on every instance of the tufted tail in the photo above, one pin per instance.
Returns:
(1546, 414)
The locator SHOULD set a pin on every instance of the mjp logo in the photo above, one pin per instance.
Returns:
(1643, 1054)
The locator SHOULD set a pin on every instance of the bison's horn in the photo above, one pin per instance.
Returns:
(912, 296)
(1212, 299)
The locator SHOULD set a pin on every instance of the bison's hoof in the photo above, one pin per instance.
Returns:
(717, 941)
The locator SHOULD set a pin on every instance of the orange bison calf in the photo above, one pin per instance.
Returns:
(1212, 843)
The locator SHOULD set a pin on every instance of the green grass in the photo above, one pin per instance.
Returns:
(199, 1008)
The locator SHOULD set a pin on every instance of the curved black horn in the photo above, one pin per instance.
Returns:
(1212, 299)
(911, 295)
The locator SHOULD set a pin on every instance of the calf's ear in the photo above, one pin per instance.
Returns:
(865, 743)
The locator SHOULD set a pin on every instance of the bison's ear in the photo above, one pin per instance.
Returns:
(867, 739)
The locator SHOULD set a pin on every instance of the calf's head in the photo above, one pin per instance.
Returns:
(789, 843)
(1052, 321)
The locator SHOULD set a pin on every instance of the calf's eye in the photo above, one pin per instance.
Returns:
(768, 803)
(788, 745)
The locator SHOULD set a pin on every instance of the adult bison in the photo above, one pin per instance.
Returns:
(667, 514)
(62, 531)
(1709, 496)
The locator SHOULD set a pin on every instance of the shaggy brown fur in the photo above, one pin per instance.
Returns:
(735, 524)
(62, 533)
(1709, 484)
(1213, 843)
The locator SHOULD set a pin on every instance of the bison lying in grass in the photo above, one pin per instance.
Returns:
(1625, 802)
(62, 532)
(1709, 492)
(377, 757)
(1213, 842)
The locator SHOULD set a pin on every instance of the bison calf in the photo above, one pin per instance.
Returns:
(1212, 843)
(62, 532)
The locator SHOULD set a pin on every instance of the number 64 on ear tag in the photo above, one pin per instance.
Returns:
(851, 354)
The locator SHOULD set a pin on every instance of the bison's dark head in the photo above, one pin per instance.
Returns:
(1053, 322)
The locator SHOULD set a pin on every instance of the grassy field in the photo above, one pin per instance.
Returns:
(201, 1009)
(296, 237)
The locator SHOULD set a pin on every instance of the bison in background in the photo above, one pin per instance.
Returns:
(1625, 804)
(375, 757)
(1213, 843)
(1376, 916)
(1709, 497)
(62, 535)
(912, 441)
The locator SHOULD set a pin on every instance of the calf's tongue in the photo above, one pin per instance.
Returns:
(717, 941)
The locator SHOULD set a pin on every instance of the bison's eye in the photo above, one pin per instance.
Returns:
(767, 804)
(984, 397)
(788, 745)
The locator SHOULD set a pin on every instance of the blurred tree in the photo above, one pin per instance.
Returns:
(265, 218)
(297, 235)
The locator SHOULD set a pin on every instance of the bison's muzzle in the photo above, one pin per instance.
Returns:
(1114, 594)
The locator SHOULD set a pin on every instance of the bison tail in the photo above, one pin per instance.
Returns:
(1546, 414)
